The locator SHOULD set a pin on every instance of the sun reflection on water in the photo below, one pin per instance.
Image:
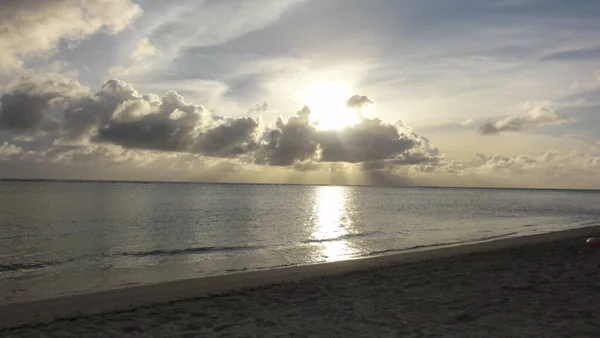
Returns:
(332, 223)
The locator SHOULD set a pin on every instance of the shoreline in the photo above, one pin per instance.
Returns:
(124, 299)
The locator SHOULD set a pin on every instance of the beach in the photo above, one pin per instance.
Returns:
(545, 285)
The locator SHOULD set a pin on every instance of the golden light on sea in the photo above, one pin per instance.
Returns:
(332, 223)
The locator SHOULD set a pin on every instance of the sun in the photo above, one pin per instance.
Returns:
(327, 103)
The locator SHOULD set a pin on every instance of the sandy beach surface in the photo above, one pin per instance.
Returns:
(536, 286)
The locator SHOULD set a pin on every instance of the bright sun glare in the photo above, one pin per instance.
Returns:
(327, 103)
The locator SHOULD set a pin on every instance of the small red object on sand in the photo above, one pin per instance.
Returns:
(593, 242)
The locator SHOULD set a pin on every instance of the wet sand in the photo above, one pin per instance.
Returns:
(544, 285)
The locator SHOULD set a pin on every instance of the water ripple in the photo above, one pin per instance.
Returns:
(25, 266)
(433, 245)
(187, 251)
(347, 236)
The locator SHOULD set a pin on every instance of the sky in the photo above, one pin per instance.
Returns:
(497, 93)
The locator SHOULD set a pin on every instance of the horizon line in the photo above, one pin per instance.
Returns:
(66, 180)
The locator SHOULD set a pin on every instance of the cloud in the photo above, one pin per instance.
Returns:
(307, 166)
(23, 108)
(480, 156)
(584, 138)
(30, 28)
(369, 141)
(210, 23)
(82, 118)
(9, 151)
(257, 109)
(545, 167)
(139, 60)
(229, 139)
(290, 142)
(585, 54)
(358, 101)
(119, 116)
(468, 122)
(421, 157)
(144, 48)
(386, 178)
(102, 161)
(405, 169)
(540, 115)
(497, 163)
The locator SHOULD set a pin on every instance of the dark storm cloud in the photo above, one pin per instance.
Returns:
(234, 137)
(369, 140)
(23, 108)
(119, 115)
(358, 101)
(167, 124)
(152, 131)
(83, 116)
(137, 122)
(294, 140)
(20, 111)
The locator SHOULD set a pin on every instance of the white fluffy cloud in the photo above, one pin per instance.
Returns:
(540, 114)
(144, 48)
(139, 60)
(32, 28)
(8, 151)
(468, 122)
(551, 169)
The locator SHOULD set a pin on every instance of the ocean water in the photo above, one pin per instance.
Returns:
(59, 238)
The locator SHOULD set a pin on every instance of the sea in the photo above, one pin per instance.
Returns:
(65, 237)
